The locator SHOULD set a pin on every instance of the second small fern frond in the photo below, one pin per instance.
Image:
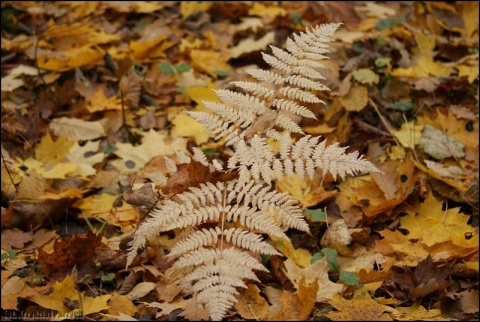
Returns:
(257, 160)
(293, 82)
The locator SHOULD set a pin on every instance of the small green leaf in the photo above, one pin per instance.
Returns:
(350, 278)
(211, 152)
(358, 47)
(166, 68)
(108, 277)
(382, 61)
(12, 253)
(265, 259)
(220, 73)
(316, 257)
(110, 148)
(83, 279)
(401, 106)
(182, 68)
(385, 24)
(332, 258)
(315, 215)
(296, 18)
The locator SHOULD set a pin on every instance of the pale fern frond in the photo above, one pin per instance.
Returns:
(286, 123)
(242, 101)
(255, 88)
(305, 83)
(307, 71)
(276, 63)
(199, 156)
(284, 56)
(266, 76)
(293, 107)
(170, 165)
(297, 94)
(225, 222)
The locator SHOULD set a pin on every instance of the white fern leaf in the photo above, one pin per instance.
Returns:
(307, 71)
(243, 101)
(276, 63)
(254, 88)
(170, 165)
(305, 83)
(266, 76)
(293, 107)
(199, 156)
(283, 55)
(287, 124)
(297, 94)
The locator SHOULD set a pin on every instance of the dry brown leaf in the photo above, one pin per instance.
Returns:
(251, 305)
(297, 306)
(76, 250)
(15, 238)
(130, 88)
(194, 311)
(359, 308)
(386, 181)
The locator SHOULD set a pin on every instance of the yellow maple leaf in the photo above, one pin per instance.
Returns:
(66, 289)
(417, 312)
(99, 102)
(425, 66)
(299, 256)
(308, 192)
(260, 9)
(48, 171)
(102, 206)
(431, 225)
(189, 7)
(186, 126)
(209, 61)
(51, 152)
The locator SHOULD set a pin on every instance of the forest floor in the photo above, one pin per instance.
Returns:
(93, 98)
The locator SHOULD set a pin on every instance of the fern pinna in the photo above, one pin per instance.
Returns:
(224, 223)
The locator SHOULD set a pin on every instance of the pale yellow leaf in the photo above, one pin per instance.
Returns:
(134, 158)
(86, 156)
(356, 99)
(186, 126)
(249, 45)
(76, 129)
(140, 290)
(209, 61)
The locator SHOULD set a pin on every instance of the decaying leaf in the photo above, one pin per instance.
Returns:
(317, 271)
(76, 250)
(359, 308)
(77, 129)
(297, 306)
(439, 145)
(251, 305)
